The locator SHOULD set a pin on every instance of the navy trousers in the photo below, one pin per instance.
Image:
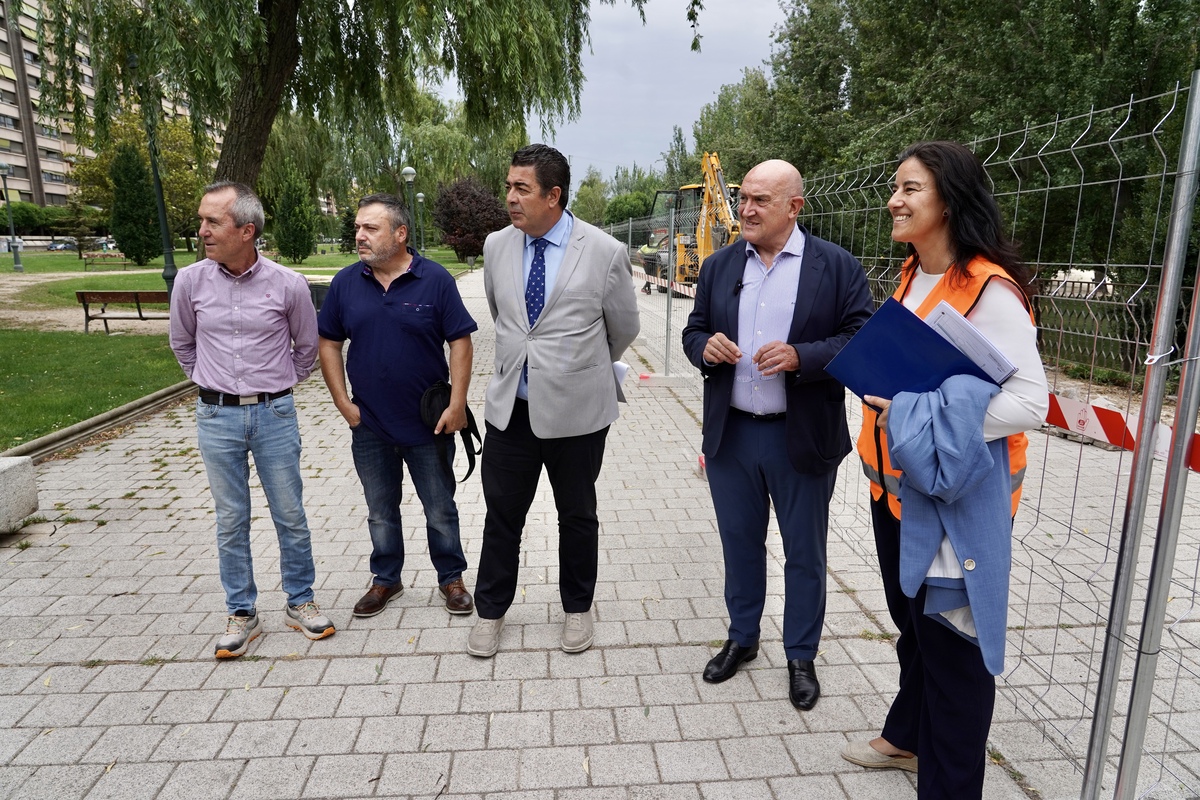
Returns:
(750, 472)
(943, 709)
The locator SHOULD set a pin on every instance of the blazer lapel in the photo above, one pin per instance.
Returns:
(570, 262)
(812, 270)
(516, 266)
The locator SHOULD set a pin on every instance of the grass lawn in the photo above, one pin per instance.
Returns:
(52, 379)
(49, 380)
(69, 261)
(61, 294)
(329, 263)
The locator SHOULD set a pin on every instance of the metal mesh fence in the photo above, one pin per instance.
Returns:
(1088, 198)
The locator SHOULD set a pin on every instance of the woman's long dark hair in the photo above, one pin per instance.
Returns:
(975, 228)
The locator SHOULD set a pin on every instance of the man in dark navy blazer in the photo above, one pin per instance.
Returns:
(770, 313)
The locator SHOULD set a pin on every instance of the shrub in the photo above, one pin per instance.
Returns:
(466, 212)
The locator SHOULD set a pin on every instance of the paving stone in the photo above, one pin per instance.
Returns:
(362, 701)
(756, 757)
(343, 776)
(198, 742)
(521, 729)
(53, 745)
(59, 783)
(414, 774)
(259, 739)
(537, 695)
(491, 696)
(622, 764)
(646, 724)
(248, 703)
(552, 767)
(124, 708)
(391, 734)
(216, 777)
(126, 743)
(280, 778)
(125, 781)
(187, 706)
(485, 771)
(303, 702)
(320, 737)
(692, 761)
(431, 698)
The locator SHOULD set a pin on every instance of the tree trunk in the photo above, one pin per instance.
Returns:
(265, 76)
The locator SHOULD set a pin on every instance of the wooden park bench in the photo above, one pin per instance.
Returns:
(105, 258)
(123, 301)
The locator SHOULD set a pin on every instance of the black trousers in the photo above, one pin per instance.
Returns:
(511, 467)
(943, 709)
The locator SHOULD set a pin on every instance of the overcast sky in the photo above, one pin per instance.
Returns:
(643, 80)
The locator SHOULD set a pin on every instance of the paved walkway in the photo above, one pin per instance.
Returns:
(109, 688)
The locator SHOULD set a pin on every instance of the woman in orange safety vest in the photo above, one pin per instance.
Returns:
(943, 209)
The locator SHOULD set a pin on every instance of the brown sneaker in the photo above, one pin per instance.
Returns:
(376, 599)
(458, 599)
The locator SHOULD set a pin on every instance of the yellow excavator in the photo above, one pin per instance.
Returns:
(705, 219)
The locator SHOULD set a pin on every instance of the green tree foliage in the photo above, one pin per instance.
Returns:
(80, 222)
(134, 211)
(183, 174)
(628, 180)
(591, 198)
(626, 206)
(347, 242)
(28, 218)
(466, 211)
(738, 126)
(850, 83)
(355, 65)
(295, 219)
(682, 165)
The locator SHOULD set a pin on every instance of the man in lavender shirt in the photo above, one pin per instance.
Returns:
(245, 330)
(770, 313)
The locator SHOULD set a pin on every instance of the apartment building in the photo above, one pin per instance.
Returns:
(39, 156)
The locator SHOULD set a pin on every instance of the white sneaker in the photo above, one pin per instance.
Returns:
(577, 632)
(239, 633)
(308, 619)
(484, 639)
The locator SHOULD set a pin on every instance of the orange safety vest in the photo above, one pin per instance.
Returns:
(872, 441)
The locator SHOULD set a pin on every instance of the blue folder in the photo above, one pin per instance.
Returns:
(897, 352)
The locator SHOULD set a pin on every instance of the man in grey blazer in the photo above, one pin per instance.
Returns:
(561, 294)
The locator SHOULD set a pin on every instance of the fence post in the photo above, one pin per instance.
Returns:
(629, 233)
(1175, 482)
(670, 292)
(1157, 371)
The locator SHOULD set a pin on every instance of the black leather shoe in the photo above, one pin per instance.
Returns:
(803, 686)
(725, 663)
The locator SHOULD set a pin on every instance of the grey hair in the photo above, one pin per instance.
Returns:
(397, 210)
(246, 209)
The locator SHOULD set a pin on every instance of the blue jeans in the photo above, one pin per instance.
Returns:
(268, 430)
(380, 467)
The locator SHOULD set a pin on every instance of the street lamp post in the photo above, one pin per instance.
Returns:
(421, 218)
(12, 233)
(409, 174)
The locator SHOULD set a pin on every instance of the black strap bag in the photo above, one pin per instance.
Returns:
(434, 403)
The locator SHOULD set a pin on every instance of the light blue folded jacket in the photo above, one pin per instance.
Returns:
(955, 484)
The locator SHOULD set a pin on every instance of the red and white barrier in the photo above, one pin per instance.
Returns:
(678, 288)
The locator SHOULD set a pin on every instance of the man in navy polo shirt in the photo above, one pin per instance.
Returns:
(399, 310)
